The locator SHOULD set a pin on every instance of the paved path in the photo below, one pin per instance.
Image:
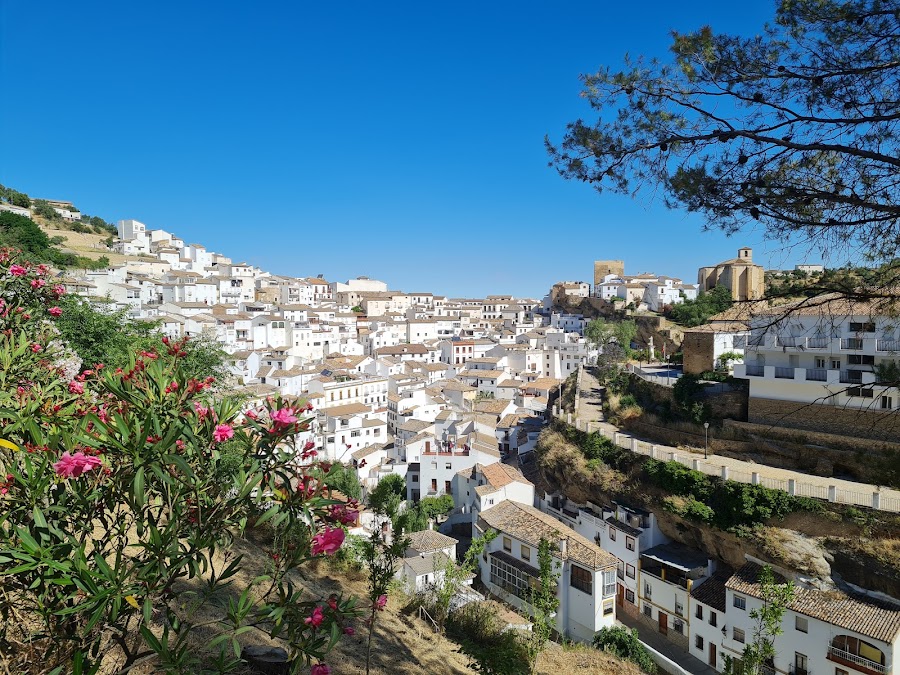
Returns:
(671, 651)
(589, 416)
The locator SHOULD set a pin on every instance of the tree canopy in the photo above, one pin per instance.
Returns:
(795, 129)
(601, 332)
(697, 312)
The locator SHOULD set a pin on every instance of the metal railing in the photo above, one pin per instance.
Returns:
(853, 658)
(851, 376)
(784, 373)
(782, 341)
(817, 343)
(851, 343)
(755, 371)
(888, 345)
(817, 374)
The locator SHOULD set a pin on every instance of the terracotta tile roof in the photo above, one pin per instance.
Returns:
(427, 541)
(712, 591)
(528, 524)
(499, 474)
(868, 616)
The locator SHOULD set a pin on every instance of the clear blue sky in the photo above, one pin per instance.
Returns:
(403, 141)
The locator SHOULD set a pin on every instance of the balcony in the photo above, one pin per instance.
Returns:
(755, 371)
(859, 662)
(784, 373)
(817, 343)
(756, 341)
(887, 345)
(797, 670)
(781, 341)
(851, 376)
(851, 343)
(816, 374)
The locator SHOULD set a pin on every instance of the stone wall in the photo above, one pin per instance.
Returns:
(723, 402)
(698, 348)
(828, 419)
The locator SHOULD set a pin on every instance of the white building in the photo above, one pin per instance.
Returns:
(586, 585)
(823, 631)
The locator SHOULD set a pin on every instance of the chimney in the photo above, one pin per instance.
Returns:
(563, 547)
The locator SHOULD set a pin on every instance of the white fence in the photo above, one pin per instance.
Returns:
(795, 487)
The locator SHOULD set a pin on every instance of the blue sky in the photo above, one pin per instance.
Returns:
(403, 141)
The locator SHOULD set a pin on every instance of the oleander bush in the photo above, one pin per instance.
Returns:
(121, 491)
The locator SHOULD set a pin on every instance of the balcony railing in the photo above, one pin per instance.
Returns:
(888, 345)
(797, 670)
(816, 374)
(839, 654)
(817, 343)
(782, 341)
(756, 341)
(851, 343)
(851, 376)
(755, 371)
(784, 373)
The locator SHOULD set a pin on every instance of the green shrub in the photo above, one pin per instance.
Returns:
(481, 634)
(624, 643)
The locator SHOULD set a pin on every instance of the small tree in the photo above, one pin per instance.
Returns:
(544, 603)
(447, 584)
(776, 597)
(381, 554)
(385, 497)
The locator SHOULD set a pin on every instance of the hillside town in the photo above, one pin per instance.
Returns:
(452, 395)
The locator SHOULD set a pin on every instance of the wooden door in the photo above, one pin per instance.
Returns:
(663, 623)
(712, 654)
(620, 596)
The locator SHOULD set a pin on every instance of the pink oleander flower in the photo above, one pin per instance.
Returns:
(328, 541)
(342, 514)
(284, 416)
(38, 283)
(54, 311)
(222, 433)
(320, 669)
(76, 387)
(381, 602)
(36, 348)
(201, 410)
(72, 466)
(17, 270)
(309, 445)
(59, 291)
(349, 630)
(316, 618)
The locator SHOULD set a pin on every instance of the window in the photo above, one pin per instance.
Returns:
(526, 552)
(860, 392)
(609, 583)
(608, 607)
(648, 590)
(862, 326)
(738, 635)
(612, 533)
(511, 579)
(678, 625)
(820, 362)
(354, 434)
(448, 466)
(415, 478)
(835, 364)
(840, 671)
(648, 610)
(712, 618)
(679, 608)
(800, 662)
(887, 402)
(629, 571)
(330, 439)
(434, 484)
(447, 488)
(698, 641)
(740, 602)
(801, 624)
(699, 611)
(507, 544)
(620, 570)
(629, 543)
(861, 360)
(629, 595)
